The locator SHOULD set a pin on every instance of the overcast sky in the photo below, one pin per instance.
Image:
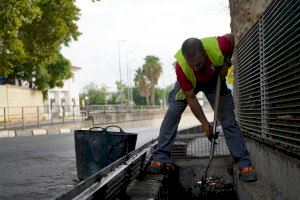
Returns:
(151, 27)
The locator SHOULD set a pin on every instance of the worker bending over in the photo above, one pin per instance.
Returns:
(199, 62)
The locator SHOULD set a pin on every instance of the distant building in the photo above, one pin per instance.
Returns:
(68, 95)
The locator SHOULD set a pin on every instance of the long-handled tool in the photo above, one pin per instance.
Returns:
(215, 133)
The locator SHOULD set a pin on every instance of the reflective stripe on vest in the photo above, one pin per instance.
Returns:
(213, 52)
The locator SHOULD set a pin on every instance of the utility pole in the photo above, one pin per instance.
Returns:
(120, 73)
(128, 82)
(119, 51)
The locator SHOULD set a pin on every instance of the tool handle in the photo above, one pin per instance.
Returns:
(217, 104)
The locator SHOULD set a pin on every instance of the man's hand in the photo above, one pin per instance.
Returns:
(223, 72)
(208, 129)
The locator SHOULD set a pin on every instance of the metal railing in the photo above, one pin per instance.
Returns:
(268, 77)
(14, 118)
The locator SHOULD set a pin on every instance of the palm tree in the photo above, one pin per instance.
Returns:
(153, 70)
(141, 82)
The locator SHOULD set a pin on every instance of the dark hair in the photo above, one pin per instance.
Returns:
(191, 46)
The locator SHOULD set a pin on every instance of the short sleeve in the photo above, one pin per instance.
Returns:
(224, 44)
(184, 83)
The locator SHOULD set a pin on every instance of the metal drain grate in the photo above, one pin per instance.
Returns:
(197, 145)
(268, 77)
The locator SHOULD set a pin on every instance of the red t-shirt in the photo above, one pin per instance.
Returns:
(207, 73)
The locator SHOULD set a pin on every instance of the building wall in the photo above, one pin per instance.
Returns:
(244, 13)
(13, 98)
(68, 92)
(16, 96)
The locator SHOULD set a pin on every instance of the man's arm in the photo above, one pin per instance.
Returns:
(231, 39)
(227, 57)
(198, 112)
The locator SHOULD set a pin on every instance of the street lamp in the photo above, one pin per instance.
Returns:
(128, 82)
(119, 42)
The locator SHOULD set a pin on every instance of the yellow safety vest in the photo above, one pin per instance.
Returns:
(213, 52)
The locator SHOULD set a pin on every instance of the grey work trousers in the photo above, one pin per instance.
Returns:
(233, 134)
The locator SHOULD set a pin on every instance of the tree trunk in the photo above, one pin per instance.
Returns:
(147, 100)
(153, 96)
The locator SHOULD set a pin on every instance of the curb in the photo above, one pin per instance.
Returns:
(39, 132)
(250, 190)
(20, 133)
(65, 130)
(7, 134)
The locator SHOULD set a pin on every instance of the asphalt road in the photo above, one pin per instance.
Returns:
(43, 167)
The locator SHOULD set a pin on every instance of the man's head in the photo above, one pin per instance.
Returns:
(194, 53)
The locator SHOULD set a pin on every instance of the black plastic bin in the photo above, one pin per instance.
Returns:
(98, 147)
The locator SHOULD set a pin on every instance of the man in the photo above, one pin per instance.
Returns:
(198, 64)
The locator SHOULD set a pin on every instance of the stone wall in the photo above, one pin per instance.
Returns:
(15, 97)
(244, 13)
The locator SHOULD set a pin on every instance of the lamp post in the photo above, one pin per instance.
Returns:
(120, 72)
(128, 82)
(119, 42)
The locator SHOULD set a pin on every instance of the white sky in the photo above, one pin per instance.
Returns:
(151, 27)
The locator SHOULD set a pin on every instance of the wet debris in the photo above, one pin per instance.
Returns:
(216, 188)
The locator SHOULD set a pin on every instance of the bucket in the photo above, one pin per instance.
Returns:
(98, 147)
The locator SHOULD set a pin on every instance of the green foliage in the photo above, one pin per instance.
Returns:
(58, 71)
(31, 35)
(142, 84)
(113, 98)
(146, 78)
(152, 69)
(121, 95)
(96, 95)
(159, 95)
(137, 98)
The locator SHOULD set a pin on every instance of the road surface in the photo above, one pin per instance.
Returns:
(44, 167)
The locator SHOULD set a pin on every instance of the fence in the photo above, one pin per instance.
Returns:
(37, 116)
(268, 77)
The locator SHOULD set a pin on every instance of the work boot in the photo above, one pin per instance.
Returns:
(157, 168)
(248, 174)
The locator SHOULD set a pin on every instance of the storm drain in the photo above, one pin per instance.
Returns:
(190, 154)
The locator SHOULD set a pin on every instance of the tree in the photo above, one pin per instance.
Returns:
(31, 35)
(122, 96)
(96, 95)
(142, 83)
(46, 77)
(137, 98)
(152, 70)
